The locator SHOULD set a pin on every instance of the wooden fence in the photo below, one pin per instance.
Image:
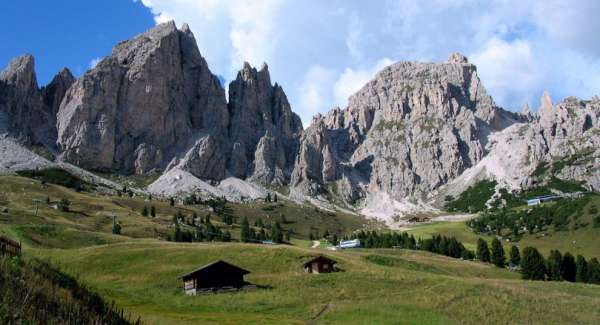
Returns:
(9, 247)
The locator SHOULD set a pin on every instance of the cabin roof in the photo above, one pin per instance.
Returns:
(216, 268)
(320, 258)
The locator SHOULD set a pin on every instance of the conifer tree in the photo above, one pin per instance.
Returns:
(568, 269)
(483, 252)
(171, 201)
(581, 265)
(498, 256)
(515, 257)
(594, 271)
(532, 264)
(245, 231)
(553, 266)
(152, 211)
(145, 211)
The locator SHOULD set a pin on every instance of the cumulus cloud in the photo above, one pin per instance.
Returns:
(323, 51)
(315, 91)
(351, 81)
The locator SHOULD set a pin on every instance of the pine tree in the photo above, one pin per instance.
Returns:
(152, 211)
(498, 256)
(532, 264)
(277, 233)
(483, 252)
(245, 231)
(268, 198)
(334, 239)
(581, 274)
(553, 266)
(594, 271)
(145, 211)
(568, 269)
(515, 257)
(116, 227)
(275, 197)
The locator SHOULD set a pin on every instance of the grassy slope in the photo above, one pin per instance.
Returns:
(376, 286)
(583, 240)
(90, 219)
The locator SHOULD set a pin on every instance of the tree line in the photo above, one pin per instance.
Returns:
(438, 244)
(534, 266)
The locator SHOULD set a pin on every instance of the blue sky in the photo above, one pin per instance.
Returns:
(67, 33)
(323, 51)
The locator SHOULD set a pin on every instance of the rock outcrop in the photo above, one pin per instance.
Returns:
(143, 105)
(55, 91)
(407, 132)
(23, 112)
(264, 132)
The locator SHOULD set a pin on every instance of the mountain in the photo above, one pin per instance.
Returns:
(27, 112)
(416, 133)
(409, 131)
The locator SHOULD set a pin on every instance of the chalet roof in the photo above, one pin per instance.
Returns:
(216, 268)
(320, 258)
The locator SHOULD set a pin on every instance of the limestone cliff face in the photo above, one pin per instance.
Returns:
(143, 105)
(410, 130)
(264, 132)
(24, 112)
(567, 132)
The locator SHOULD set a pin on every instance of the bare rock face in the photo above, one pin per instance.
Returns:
(143, 105)
(205, 159)
(23, 114)
(55, 91)
(264, 132)
(407, 132)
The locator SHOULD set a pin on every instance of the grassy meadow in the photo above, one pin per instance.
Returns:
(139, 269)
(581, 237)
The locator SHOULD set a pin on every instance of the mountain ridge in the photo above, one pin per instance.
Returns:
(414, 133)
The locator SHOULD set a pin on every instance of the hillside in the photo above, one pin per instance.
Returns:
(382, 286)
(34, 292)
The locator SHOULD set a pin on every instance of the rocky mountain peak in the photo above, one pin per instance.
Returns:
(260, 110)
(143, 105)
(20, 73)
(457, 58)
(54, 92)
(405, 133)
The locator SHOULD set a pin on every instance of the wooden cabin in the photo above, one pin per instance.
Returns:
(214, 277)
(319, 264)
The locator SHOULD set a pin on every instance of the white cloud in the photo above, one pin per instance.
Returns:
(315, 91)
(95, 62)
(510, 70)
(323, 51)
(351, 81)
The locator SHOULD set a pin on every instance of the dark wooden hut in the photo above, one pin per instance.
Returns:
(216, 276)
(319, 264)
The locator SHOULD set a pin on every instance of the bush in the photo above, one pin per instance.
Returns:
(64, 205)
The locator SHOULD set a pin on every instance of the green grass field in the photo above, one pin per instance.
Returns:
(139, 270)
(375, 287)
(584, 240)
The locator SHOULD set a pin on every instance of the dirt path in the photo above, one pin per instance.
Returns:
(316, 244)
